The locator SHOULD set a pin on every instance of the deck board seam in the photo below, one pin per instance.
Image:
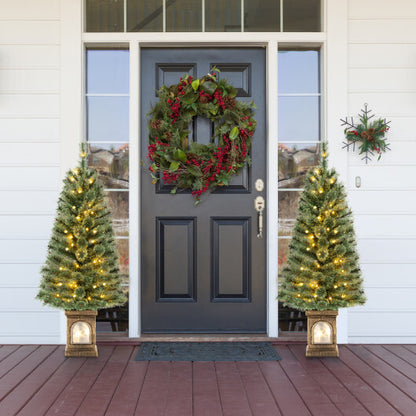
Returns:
(141, 388)
(297, 391)
(121, 376)
(404, 359)
(218, 388)
(21, 360)
(383, 376)
(11, 352)
(40, 387)
(391, 365)
(317, 381)
(244, 387)
(28, 374)
(369, 385)
(95, 380)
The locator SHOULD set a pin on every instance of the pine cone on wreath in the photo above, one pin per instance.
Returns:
(155, 124)
(203, 99)
(229, 102)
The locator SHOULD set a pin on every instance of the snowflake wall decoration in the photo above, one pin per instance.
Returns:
(369, 134)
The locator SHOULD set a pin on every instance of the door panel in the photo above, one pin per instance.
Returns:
(203, 267)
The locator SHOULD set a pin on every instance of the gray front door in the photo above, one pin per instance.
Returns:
(203, 268)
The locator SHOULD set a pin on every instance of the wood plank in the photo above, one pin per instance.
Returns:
(179, 398)
(232, 394)
(206, 395)
(389, 373)
(152, 401)
(336, 391)
(258, 393)
(15, 358)
(403, 353)
(400, 401)
(100, 394)
(315, 398)
(6, 350)
(23, 369)
(50, 390)
(394, 360)
(411, 348)
(17, 398)
(365, 394)
(127, 393)
(285, 394)
(73, 394)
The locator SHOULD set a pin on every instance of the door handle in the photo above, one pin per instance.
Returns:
(259, 205)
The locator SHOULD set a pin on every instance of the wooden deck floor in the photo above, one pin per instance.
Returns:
(377, 380)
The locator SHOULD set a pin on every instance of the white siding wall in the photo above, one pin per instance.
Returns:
(29, 163)
(382, 73)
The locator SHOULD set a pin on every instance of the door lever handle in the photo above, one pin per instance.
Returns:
(259, 205)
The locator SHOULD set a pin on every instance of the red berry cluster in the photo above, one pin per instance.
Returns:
(169, 177)
(218, 97)
(175, 107)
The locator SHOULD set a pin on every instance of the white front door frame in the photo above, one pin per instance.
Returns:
(334, 91)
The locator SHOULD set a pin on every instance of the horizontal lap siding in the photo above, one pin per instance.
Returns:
(29, 163)
(382, 73)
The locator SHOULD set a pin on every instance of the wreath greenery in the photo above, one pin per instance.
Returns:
(195, 166)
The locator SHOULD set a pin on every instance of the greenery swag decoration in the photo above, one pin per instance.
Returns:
(370, 134)
(322, 271)
(81, 270)
(195, 166)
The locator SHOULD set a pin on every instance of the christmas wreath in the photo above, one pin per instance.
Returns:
(370, 134)
(195, 166)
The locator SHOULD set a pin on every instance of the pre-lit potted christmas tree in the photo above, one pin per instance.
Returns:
(322, 273)
(81, 272)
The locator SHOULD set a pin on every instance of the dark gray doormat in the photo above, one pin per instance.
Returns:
(207, 351)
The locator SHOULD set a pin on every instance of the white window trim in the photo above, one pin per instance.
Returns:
(334, 91)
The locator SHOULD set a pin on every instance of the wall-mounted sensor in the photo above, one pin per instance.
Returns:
(357, 181)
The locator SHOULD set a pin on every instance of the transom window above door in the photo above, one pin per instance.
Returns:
(203, 16)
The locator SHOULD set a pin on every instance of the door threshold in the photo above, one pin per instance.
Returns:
(123, 339)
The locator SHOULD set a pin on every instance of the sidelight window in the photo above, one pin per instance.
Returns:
(107, 134)
(299, 104)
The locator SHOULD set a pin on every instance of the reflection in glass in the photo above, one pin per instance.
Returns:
(111, 163)
(223, 16)
(261, 16)
(298, 71)
(144, 16)
(123, 256)
(288, 210)
(295, 160)
(107, 71)
(114, 319)
(299, 118)
(118, 202)
(302, 16)
(105, 15)
(108, 118)
(183, 16)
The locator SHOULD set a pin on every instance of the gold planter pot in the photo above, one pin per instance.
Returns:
(322, 334)
(81, 334)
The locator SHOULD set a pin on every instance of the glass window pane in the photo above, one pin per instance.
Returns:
(183, 16)
(123, 257)
(288, 210)
(105, 15)
(301, 15)
(223, 16)
(107, 71)
(144, 16)
(112, 164)
(299, 119)
(298, 71)
(108, 119)
(261, 15)
(118, 202)
(283, 252)
(294, 161)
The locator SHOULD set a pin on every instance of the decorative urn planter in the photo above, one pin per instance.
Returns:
(322, 334)
(81, 334)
